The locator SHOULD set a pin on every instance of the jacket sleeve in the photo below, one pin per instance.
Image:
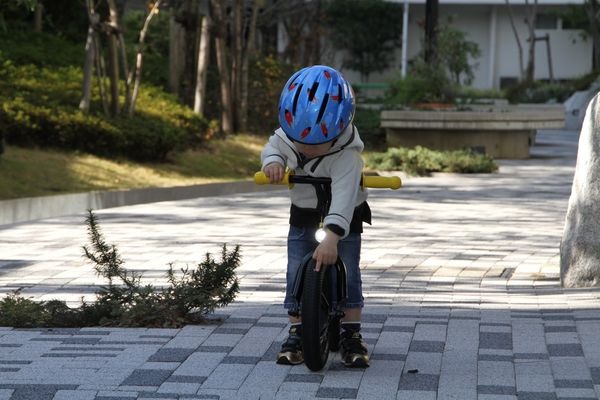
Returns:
(346, 172)
(272, 152)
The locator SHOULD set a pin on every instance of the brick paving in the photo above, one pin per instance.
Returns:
(460, 276)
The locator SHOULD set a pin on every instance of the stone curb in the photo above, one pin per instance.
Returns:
(32, 208)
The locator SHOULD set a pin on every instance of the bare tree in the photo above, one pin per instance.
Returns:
(203, 59)
(117, 58)
(220, 36)
(302, 21)
(113, 56)
(531, 18)
(518, 40)
(90, 56)
(136, 73)
(248, 55)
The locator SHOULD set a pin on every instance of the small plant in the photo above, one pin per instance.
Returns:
(191, 294)
(422, 161)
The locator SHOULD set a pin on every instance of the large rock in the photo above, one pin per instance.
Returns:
(580, 246)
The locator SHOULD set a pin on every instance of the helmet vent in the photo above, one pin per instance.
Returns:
(323, 106)
(295, 103)
(313, 90)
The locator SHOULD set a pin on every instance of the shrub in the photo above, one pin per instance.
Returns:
(546, 92)
(368, 123)
(191, 294)
(422, 161)
(426, 83)
(39, 109)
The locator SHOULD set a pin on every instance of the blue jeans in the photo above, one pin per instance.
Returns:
(301, 241)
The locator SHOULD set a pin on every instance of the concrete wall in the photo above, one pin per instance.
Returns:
(571, 55)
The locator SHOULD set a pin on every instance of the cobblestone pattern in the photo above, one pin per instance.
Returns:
(460, 275)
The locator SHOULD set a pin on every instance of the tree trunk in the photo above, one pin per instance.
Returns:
(113, 58)
(248, 56)
(38, 20)
(431, 22)
(136, 74)
(516, 33)
(203, 59)
(90, 52)
(176, 53)
(218, 14)
(236, 60)
(530, 70)
(592, 8)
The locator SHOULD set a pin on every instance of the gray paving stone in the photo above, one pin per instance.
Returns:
(419, 382)
(437, 299)
(147, 377)
(565, 350)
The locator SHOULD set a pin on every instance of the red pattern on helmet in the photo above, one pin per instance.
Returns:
(327, 74)
(324, 129)
(291, 87)
(336, 98)
(289, 117)
(305, 133)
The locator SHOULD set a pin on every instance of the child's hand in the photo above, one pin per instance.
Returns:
(274, 171)
(326, 252)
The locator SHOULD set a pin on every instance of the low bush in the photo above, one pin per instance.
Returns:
(422, 161)
(191, 294)
(546, 92)
(40, 109)
(368, 123)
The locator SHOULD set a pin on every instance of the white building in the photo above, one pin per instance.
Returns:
(487, 23)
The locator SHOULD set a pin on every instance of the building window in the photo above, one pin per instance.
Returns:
(545, 21)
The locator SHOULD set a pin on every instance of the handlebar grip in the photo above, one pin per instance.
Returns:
(382, 182)
(261, 179)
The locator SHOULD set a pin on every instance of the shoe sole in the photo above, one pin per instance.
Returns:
(357, 362)
(287, 359)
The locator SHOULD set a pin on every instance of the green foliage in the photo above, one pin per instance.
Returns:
(155, 68)
(426, 83)
(544, 92)
(454, 52)
(24, 47)
(369, 30)
(266, 78)
(191, 294)
(422, 161)
(437, 81)
(40, 109)
(15, 9)
(368, 123)
(20, 312)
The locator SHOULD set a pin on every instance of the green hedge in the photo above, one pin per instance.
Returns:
(39, 108)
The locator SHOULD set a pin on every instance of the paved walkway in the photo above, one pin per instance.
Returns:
(460, 278)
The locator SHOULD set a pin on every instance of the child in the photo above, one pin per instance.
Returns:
(317, 138)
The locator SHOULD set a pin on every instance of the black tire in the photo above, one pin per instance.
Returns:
(315, 318)
(334, 333)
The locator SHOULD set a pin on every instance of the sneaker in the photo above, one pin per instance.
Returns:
(291, 349)
(353, 350)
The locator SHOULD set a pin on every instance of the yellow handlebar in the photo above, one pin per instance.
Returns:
(379, 182)
(382, 182)
(261, 179)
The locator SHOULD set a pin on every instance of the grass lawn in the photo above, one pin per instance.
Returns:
(30, 172)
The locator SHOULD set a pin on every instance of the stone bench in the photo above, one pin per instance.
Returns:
(499, 131)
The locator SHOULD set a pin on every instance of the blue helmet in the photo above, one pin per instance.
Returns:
(316, 105)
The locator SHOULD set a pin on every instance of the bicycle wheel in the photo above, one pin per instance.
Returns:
(334, 333)
(315, 317)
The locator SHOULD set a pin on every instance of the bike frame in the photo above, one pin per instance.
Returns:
(341, 281)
